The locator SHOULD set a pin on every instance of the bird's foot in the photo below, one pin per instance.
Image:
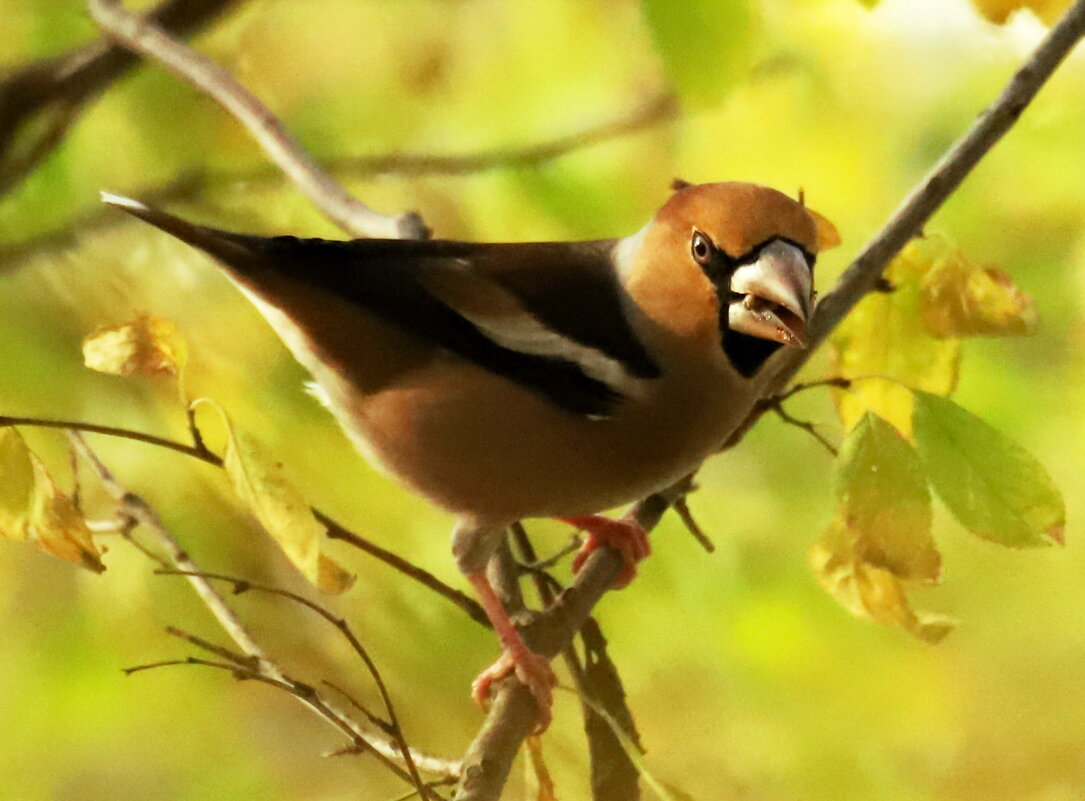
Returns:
(627, 536)
(532, 669)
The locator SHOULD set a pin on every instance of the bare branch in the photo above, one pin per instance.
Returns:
(141, 35)
(335, 530)
(241, 660)
(653, 111)
(392, 726)
(804, 425)
(53, 92)
(511, 717)
(140, 511)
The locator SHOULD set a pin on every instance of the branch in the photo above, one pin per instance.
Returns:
(64, 85)
(648, 113)
(141, 35)
(335, 530)
(656, 109)
(138, 509)
(512, 716)
(244, 585)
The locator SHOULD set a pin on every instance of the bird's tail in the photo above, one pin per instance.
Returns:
(235, 250)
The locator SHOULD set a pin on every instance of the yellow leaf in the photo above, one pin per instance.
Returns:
(261, 482)
(885, 337)
(870, 592)
(16, 485)
(58, 526)
(33, 508)
(958, 299)
(999, 11)
(331, 577)
(147, 345)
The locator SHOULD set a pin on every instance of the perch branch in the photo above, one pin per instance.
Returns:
(143, 36)
(512, 716)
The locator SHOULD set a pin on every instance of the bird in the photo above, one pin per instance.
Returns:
(504, 381)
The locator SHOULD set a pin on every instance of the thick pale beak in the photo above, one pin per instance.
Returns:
(772, 296)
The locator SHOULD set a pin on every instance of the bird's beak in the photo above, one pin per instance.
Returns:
(771, 297)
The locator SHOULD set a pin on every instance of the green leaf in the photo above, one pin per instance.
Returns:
(993, 486)
(879, 542)
(884, 502)
(702, 43)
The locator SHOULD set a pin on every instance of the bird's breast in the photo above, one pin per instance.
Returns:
(481, 446)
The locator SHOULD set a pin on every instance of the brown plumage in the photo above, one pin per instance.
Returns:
(504, 381)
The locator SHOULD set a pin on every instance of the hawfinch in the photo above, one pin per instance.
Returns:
(544, 379)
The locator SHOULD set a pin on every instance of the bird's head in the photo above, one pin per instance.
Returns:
(733, 262)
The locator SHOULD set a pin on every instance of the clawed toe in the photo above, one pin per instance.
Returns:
(532, 669)
(626, 536)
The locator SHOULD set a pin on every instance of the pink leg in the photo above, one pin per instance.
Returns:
(627, 536)
(530, 668)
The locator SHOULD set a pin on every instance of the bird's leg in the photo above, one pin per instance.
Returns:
(627, 536)
(530, 668)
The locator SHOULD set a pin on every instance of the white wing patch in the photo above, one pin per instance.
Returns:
(501, 318)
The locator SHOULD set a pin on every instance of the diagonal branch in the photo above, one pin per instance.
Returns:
(512, 715)
(136, 508)
(142, 35)
(53, 92)
(646, 114)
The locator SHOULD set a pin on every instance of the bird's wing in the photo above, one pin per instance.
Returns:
(551, 317)
(548, 317)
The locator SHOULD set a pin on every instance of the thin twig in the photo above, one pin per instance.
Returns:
(241, 660)
(139, 510)
(838, 382)
(335, 530)
(141, 35)
(681, 506)
(806, 426)
(393, 727)
(465, 602)
(511, 717)
(112, 431)
(656, 109)
(537, 565)
(239, 672)
(298, 689)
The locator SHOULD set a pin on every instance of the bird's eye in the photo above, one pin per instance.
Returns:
(701, 248)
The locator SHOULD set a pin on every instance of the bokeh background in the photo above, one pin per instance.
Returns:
(747, 681)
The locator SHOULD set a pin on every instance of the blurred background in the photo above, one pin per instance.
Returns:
(746, 679)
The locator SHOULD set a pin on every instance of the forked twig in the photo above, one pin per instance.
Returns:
(140, 511)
